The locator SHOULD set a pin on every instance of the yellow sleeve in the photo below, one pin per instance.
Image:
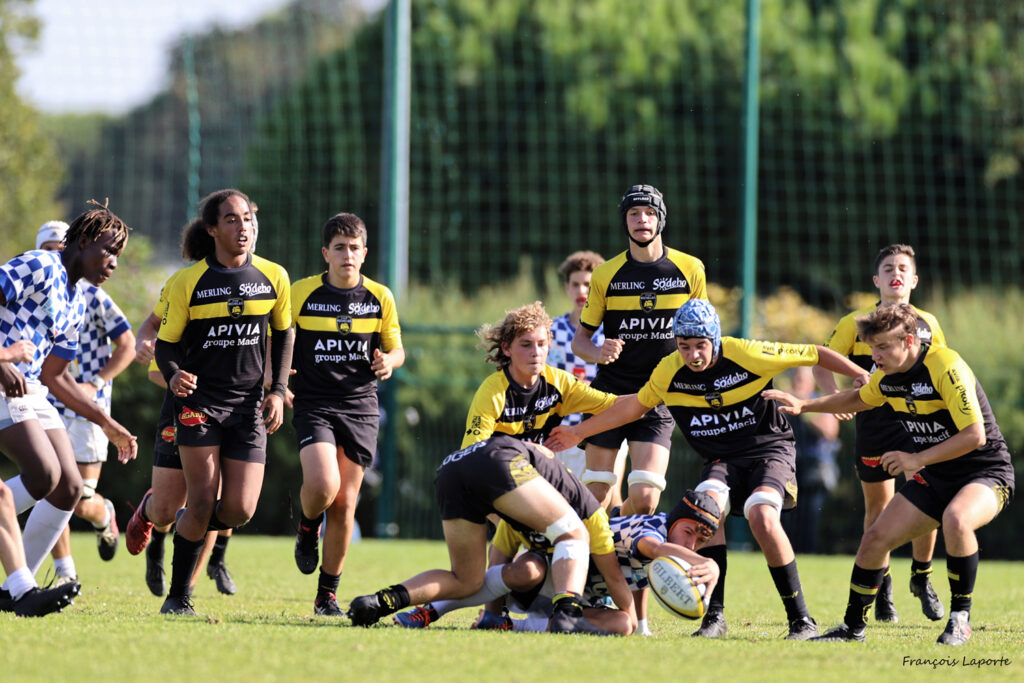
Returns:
(176, 315)
(161, 304)
(957, 387)
(843, 336)
(870, 393)
(601, 539)
(769, 358)
(488, 402)
(390, 332)
(655, 389)
(593, 311)
(281, 313)
(580, 397)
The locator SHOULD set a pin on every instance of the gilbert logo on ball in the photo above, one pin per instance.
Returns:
(674, 589)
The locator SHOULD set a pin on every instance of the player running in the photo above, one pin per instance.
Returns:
(963, 473)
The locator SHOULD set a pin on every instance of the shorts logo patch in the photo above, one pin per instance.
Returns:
(167, 434)
(648, 300)
(714, 400)
(521, 470)
(344, 324)
(920, 480)
(872, 461)
(191, 418)
(236, 307)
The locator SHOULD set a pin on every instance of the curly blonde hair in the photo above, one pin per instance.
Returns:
(516, 322)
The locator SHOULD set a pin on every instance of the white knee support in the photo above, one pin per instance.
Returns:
(89, 488)
(569, 522)
(770, 498)
(571, 549)
(598, 477)
(722, 493)
(646, 477)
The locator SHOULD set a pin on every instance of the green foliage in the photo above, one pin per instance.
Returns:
(267, 632)
(28, 161)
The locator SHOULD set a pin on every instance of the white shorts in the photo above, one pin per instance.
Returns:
(88, 440)
(31, 406)
(575, 459)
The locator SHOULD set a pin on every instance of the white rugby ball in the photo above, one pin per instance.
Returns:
(672, 586)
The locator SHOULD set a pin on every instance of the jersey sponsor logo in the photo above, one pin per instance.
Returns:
(213, 292)
(235, 307)
(731, 380)
(714, 400)
(254, 288)
(716, 424)
(361, 308)
(232, 334)
(911, 406)
(892, 389)
(314, 307)
(648, 300)
(919, 427)
(344, 324)
(964, 401)
(664, 284)
(686, 386)
(920, 389)
(953, 375)
(191, 418)
(626, 286)
(167, 434)
(643, 324)
(341, 350)
(545, 403)
(474, 426)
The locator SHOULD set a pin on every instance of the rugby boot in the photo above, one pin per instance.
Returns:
(218, 571)
(489, 621)
(803, 628)
(840, 634)
(418, 617)
(39, 602)
(139, 529)
(566, 622)
(931, 606)
(327, 605)
(712, 626)
(958, 629)
(885, 608)
(179, 605)
(307, 546)
(106, 537)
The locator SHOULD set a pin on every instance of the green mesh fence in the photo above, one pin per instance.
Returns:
(880, 122)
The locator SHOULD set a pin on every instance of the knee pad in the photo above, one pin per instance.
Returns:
(572, 549)
(646, 477)
(718, 487)
(569, 522)
(771, 498)
(89, 488)
(598, 477)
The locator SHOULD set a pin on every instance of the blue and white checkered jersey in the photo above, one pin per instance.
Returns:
(103, 322)
(561, 356)
(626, 533)
(40, 308)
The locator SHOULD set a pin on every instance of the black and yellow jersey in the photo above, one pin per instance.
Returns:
(636, 302)
(720, 410)
(509, 540)
(221, 317)
(336, 333)
(933, 400)
(875, 433)
(502, 406)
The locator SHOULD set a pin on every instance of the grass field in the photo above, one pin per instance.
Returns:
(267, 631)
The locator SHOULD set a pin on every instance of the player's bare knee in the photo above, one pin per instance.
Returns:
(954, 523)
(524, 573)
(40, 482)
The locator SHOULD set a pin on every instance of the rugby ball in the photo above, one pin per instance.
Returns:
(674, 589)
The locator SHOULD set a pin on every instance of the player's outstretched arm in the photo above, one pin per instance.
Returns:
(702, 569)
(608, 565)
(844, 402)
(625, 410)
(830, 360)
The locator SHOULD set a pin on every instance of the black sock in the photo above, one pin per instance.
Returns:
(220, 546)
(183, 563)
(963, 571)
(393, 598)
(864, 584)
(787, 582)
(568, 603)
(920, 571)
(885, 588)
(718, 554)
(307, 525)
(328, 584)
(155, 549)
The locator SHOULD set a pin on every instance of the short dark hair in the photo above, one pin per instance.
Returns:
(887, 318)
(577, 261)
(893, 250)
(347, 224)
(209, 207)
(94, 222)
